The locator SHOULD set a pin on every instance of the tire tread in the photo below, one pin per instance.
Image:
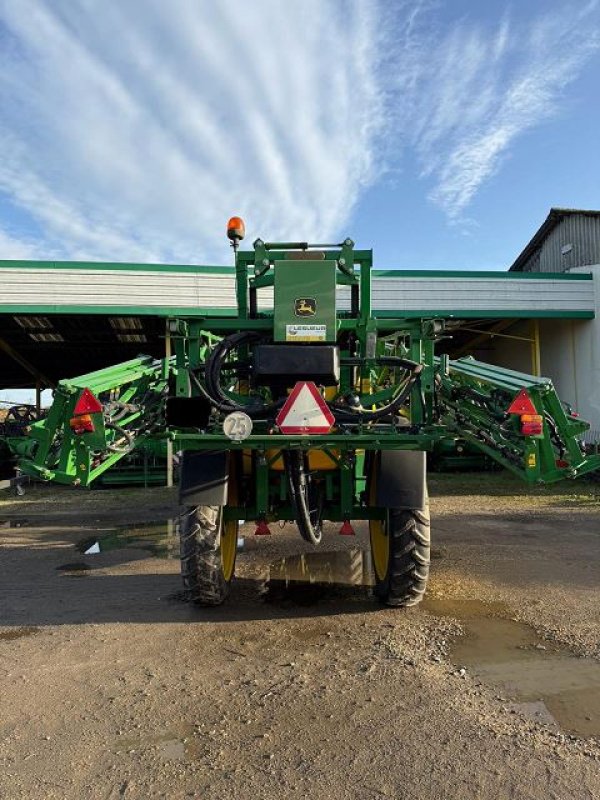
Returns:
(200, 548)
(408, 570)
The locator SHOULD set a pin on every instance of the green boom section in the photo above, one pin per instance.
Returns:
(470, 400)
(474, 399)
(132, 396)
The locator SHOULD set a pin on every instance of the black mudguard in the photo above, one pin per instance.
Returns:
(402, 479)
(203, 478)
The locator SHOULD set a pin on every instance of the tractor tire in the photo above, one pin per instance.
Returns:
(400, 550)
(208, 548)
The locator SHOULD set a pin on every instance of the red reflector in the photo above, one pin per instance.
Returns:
(87, 403)
(346, 529)
(262, 529)
(531, 428)
(522, 404)
(561, 463)
(305, 411)
(82, 424)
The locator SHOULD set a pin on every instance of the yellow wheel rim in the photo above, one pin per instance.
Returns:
(380, 544)
(229, 538)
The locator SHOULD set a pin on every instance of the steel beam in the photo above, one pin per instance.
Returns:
(27, 365)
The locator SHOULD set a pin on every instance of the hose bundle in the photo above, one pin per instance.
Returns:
(369, 415)
(212, 376)
(303, 495)
(216, 363)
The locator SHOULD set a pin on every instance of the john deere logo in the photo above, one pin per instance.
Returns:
(305, 307)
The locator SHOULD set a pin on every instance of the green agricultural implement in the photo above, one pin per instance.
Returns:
(305, 407)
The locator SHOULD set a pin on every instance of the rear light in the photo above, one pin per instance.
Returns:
(82, 424)
(532, 424)
(87, 404)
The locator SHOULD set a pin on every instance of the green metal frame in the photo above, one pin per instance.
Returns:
(53, 452)
(465, 399)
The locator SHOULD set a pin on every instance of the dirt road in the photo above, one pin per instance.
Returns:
(112, 687)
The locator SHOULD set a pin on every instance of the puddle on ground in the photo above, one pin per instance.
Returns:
(176, 745)
(172, 750)
(17, 633)
(160, 539)
(312, 577)
(157, 538)
(547, 683)
(74, 566)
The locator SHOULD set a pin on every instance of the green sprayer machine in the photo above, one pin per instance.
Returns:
(305, 407)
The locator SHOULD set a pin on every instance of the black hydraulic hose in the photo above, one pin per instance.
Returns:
(378, 413)
(381, 361)
(212, 375)
(308, 521)
(215, 394)
(555, 435)
(206, 395)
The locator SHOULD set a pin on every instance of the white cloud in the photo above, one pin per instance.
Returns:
(133, 130)
(15, 248)
(467, 92)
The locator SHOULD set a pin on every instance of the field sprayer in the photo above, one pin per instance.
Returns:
(306, 409)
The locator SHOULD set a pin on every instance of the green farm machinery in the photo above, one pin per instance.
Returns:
(304, 407)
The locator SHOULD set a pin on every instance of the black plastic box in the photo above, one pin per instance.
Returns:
(284, 364)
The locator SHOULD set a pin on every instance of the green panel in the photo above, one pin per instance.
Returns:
(230, 317)
(304, 308)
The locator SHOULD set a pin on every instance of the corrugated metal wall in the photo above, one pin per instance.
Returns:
(574, 242)
(152, 289)
(480, 294)
(146, 290)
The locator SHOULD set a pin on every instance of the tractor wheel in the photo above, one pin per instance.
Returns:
(208, 550)
(400, 554)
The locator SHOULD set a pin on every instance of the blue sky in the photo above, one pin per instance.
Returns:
(438, 133)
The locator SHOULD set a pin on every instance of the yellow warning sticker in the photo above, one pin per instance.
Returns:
(531, 460)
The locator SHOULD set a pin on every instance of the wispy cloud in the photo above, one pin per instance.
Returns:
(14, 247)
(133, 130)
(467, 91)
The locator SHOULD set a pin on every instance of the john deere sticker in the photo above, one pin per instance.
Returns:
(305, 307)
(305, 333)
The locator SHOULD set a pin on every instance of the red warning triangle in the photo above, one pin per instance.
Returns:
(305, 411)
(87, 403)
(522, 404)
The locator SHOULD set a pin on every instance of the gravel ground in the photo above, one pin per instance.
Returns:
(115, 688)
